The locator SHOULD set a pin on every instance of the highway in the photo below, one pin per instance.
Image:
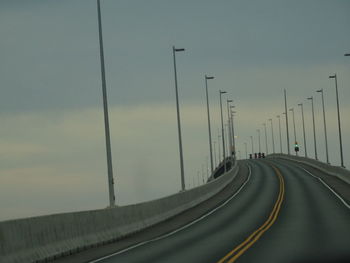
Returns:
(280, 214)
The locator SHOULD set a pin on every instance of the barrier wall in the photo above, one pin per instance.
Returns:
(38, 239)
(340, 172)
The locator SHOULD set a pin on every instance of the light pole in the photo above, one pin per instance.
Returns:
(286, 113)
(258, 130)
(219, 152)
(295, 134)
(226, 138)
(209, 129)
(222, 128)
(251, 139)
(233, 130)
(246, 150)
(267, 149)
(215, 163)
(302, 116)
(313, 122)
(105, 110)
(279, 125)
(178, 120)
(324, 124)
(273, 137)
(340, 139)
(229, 126)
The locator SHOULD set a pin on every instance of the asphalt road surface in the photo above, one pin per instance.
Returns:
(281, 214)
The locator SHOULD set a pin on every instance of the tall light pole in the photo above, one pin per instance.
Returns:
(226, 132)
(246, 150)
(178, 120)
(279, 125)
(267, 149)
(313, 122)
(324, 125)
(273, 137)
(215, 163)
(302, 117)
(105, 110)
(209, 129)
(222, 128)
(286, 113)
(233, 130)
(258, 130)
(229, 126)
(251, 139)
(340, 139)
(295, 134)
(219, 152)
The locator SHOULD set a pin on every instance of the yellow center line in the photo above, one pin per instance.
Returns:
(254, 237)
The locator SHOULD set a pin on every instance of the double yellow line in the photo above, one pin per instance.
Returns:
(234, 254)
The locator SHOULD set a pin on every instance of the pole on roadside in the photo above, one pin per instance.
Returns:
(340, 138)
(105, 110)
(279, 125)
(183, 186)
(313, 122)
(324, 125)
(286, 113)
(209, 129)
(302, 117)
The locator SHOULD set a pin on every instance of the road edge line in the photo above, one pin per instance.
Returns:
(328, 187)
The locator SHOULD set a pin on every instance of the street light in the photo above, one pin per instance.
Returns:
(209, 129)
(302, 116)
(258, 130)
(313, 121)
(178, 120)
(273, 137)
(215, 163)
(295, 134)
(222, 129)
(340, 140)
(229, 126)
(267, 150)
(251, 139)
(279, 125)
(233, 130)
(324, 124)
(246, 150)
(286, 113)
(219, 152)
(105, 110)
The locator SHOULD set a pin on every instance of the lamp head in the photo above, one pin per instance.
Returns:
(178, 49)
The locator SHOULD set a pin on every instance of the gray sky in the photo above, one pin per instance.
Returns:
(52, 155)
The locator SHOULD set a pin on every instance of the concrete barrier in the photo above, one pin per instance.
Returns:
(39, 239)
(340, 172)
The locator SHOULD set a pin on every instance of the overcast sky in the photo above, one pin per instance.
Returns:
(52, 151)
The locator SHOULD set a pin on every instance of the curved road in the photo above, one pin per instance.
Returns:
(281, 214)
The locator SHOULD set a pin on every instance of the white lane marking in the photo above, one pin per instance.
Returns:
(329, 188)
(179, 229)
